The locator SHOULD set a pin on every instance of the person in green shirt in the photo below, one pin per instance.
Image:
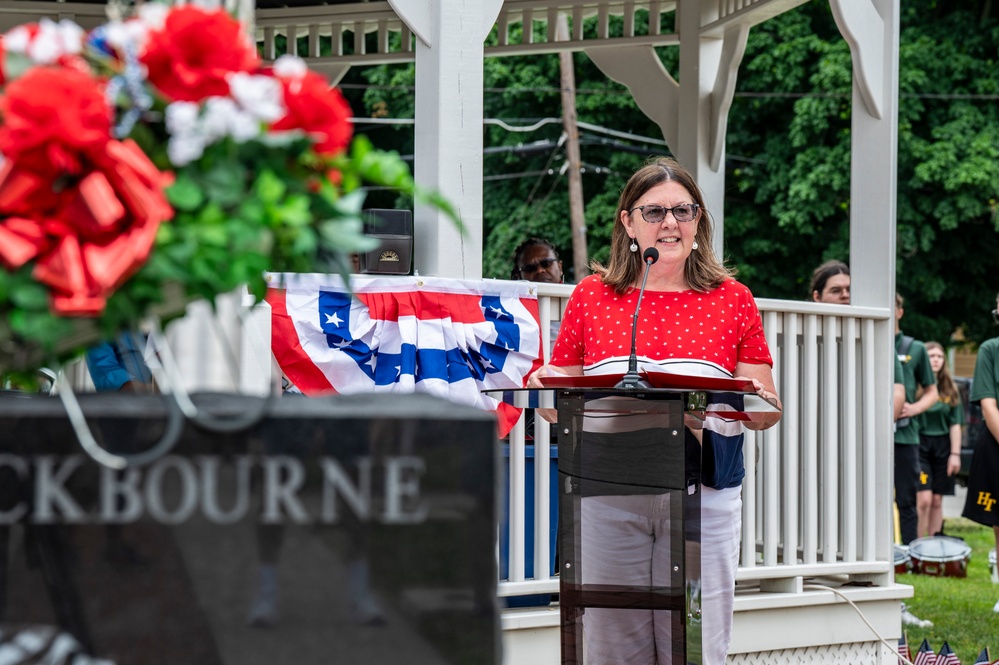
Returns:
(918, 376)
(983, 479)
(939, 446)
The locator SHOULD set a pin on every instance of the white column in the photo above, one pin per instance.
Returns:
(871, 27)
(699, 65)
(448, 154)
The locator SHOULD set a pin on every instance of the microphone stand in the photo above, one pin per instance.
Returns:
(633, 380)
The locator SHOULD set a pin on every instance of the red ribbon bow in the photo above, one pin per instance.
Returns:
(87, 233)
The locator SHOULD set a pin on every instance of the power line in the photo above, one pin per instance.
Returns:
(522, 149)
(618, 145)
(620, 135)
(545, 145)
(555, 181)
(537, 183)
(516, 176)
(749, 94)
(499, 122)
(537, 124)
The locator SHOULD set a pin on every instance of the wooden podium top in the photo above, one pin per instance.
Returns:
(753, 406)
(661, 380)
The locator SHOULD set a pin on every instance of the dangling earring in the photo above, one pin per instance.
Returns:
(634, 246)
(694, 246)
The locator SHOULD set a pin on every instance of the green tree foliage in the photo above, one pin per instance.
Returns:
(788, 171)
(948, 204)
(788, 201)
(788, 161)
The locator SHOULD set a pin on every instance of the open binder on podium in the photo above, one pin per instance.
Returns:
(633, 449)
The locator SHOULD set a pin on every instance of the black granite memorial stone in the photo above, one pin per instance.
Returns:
(378, 514)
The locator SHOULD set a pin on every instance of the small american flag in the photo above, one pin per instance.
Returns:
(904, 655)
(947, 656)
(984, 658)
(925, 655)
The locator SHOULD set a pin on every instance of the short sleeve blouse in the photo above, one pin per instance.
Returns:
(720, 328)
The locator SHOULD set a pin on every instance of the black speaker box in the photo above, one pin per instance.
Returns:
(394, 255)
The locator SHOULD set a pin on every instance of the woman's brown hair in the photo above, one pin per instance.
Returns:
(704, 272)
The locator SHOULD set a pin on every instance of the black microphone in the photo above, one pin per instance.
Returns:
(633, 379)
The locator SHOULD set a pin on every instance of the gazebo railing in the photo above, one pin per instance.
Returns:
(815, 484)
(340, 34)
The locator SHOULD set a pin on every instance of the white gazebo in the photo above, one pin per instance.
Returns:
(818, 491)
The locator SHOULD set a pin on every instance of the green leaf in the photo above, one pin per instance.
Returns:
(268, 187)
(213, 235)
(16, 64)
(346, 235)
(184, 193)
(223, 183)
(252, 210)
(211, 214)
(30, 295)
(350, 205)
(295, 211)
(305, 242)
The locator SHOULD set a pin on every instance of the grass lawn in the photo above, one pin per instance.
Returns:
(960, 609)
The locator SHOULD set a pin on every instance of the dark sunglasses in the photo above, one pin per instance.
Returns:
(531, 268)
(653, 214)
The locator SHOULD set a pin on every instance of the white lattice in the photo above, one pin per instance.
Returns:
(857, 653)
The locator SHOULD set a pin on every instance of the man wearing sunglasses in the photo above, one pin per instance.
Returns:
(536, 260)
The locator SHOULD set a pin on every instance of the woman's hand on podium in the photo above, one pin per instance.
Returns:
(763, 382)
(534, 381)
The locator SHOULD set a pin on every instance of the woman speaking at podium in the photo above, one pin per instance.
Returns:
(694, 319)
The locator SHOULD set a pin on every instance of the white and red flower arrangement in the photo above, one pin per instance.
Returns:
(159, 152)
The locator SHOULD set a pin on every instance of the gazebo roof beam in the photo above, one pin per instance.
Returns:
(366, 18)
(746, 13)
(16, 12)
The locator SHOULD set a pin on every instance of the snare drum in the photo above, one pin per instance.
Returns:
(903, 562)
(940, 556)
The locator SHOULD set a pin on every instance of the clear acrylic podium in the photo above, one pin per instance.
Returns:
(622, 452)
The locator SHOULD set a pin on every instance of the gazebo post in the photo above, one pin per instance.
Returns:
(871, 28)
(448, 146)
(699, 59)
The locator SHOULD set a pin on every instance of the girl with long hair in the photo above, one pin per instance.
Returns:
(939, 446)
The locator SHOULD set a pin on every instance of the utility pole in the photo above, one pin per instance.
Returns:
(580, 259)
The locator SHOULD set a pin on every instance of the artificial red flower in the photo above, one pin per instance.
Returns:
(189, 58)
(54, 120)
(316, 108)
(3, 78)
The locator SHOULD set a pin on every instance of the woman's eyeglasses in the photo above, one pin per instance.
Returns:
(653, 214)
(531, 268)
